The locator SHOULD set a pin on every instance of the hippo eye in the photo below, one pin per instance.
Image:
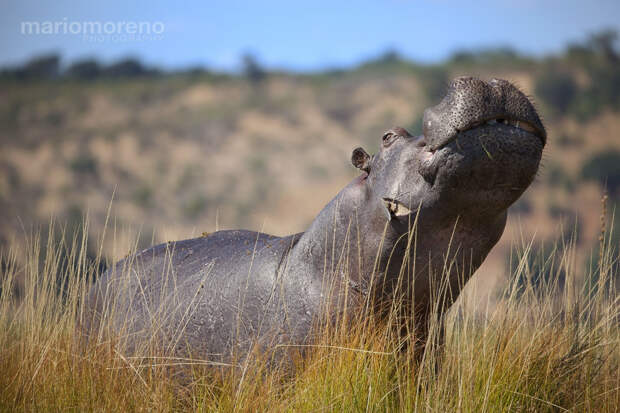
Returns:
(388, 138)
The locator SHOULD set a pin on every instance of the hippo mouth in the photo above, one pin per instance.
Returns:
(396, 208)
(519, 124)
(473, 103)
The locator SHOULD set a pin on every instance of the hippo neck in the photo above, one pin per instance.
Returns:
(349, 242)
(353, 243)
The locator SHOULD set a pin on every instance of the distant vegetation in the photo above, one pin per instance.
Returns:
(604, 168)
(48, 67)
(598, 56)
(195, 149)
(599, 59)
(557, 89)
(556, 83)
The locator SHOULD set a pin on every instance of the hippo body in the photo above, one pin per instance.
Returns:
(412, 229)
(199, 299)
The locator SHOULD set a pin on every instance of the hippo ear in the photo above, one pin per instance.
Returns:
(360, 159)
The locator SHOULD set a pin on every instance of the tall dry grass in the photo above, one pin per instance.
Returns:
(555, 347)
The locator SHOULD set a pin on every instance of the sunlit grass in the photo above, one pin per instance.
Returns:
(555, 348)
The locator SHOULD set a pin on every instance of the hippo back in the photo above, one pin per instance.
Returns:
(206, 297)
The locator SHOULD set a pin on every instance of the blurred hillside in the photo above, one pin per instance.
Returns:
(190, 152)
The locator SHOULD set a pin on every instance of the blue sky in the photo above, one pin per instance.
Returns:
(304, 35)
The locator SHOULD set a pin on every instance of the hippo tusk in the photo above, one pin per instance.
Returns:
(395, 208)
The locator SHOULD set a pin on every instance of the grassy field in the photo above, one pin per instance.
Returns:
(551, 345)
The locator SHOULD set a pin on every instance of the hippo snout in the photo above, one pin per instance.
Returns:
(471, 103)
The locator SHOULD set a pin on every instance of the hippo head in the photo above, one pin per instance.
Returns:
(480, 149)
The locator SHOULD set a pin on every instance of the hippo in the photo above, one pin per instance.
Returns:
(412, 228)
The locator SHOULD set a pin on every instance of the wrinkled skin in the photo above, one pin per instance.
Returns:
(413, 227)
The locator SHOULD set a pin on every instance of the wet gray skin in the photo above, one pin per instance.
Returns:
(220, 295)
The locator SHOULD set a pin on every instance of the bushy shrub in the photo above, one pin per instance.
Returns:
(557, 90)
(493, 56)
(599, 58)
(84, 69)
(435, 80)
(39, 67)
(604, 168)
(194, 206)
(84, 164)
(125, 68)
(558, 177)
(252, 69)
(565, 140)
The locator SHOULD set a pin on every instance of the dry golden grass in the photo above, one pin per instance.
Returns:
(545, 349)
